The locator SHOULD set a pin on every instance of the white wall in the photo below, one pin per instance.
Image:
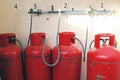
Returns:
(18, 20)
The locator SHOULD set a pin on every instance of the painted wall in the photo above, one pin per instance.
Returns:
(17, 20)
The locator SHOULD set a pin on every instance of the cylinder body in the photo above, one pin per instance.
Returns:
(10, 58)
(69, 66)
(35, 68)
(103, 62)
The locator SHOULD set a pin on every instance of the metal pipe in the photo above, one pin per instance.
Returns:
(39, 12)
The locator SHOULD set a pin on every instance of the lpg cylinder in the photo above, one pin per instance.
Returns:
(35, 67)
(103, 61)
(10, 58)
(69, 65)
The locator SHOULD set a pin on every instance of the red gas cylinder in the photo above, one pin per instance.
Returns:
(69, 65)
(35, 67)
(10, 58)
(103, 62)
